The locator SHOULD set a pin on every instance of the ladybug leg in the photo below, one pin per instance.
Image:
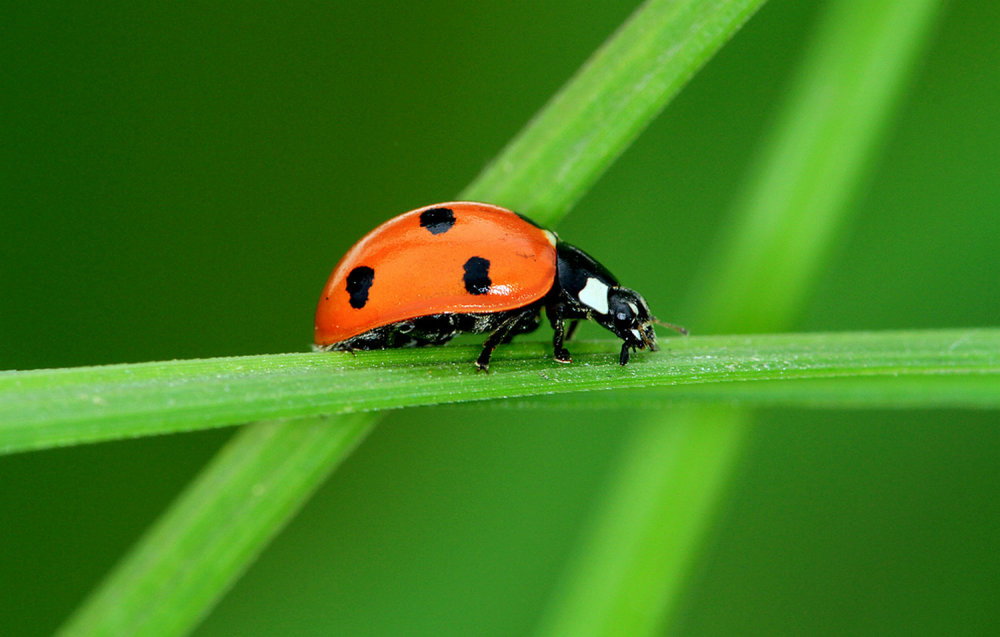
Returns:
(624, 356)
(525, 327)
(561, 353)
(505, 329)
(572, 329)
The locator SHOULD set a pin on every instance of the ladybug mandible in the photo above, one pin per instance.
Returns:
(432, 273)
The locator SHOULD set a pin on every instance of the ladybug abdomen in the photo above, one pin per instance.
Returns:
(448, 258)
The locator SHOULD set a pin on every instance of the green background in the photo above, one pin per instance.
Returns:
(179, 181)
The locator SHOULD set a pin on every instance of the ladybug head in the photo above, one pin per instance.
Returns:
(629, 318)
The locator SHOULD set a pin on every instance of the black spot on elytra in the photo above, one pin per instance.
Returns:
(437, 220)
(358, 282)
(477, 275)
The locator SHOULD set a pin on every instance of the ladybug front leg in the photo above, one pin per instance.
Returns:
(624, 356)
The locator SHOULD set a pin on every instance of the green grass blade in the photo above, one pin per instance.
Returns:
(591, 121)
(54, 407)
(211, 534)
(627, 577)
(510, 180)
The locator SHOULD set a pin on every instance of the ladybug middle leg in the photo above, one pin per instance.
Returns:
(560, 353)
(563, 334)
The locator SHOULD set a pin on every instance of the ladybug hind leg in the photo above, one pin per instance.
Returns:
(518, 322)
(526, 326)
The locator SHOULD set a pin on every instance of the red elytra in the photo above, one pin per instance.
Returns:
(423, 263)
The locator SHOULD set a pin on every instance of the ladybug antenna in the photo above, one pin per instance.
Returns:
(676, 328)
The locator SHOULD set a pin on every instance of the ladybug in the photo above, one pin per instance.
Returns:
(432, 273)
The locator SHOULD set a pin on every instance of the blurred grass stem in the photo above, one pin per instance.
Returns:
(627, 577)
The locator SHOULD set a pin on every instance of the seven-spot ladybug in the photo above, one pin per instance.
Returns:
(432, 273)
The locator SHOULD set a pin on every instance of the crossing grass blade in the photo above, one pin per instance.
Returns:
(215, 530)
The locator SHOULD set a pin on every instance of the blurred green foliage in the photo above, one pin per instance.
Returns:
(179, 180)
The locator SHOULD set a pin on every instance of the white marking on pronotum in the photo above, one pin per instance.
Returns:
(595, 295)
(635, 308)
(551, 236)
(638, 336)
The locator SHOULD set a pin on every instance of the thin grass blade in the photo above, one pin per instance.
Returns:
(550, 164)
(931, 368)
